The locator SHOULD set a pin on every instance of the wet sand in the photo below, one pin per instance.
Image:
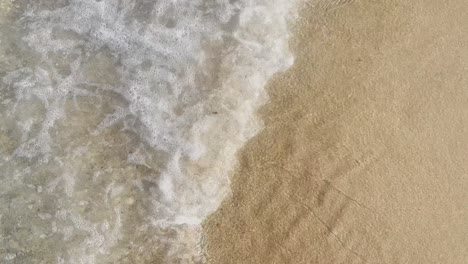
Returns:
(364, 155)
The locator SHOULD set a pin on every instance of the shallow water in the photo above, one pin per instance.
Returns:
(120, 120)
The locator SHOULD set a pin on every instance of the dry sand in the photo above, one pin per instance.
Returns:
(364, 157)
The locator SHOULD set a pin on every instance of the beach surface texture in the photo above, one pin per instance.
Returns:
(364, 154)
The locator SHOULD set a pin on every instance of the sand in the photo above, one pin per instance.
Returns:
(364, 154)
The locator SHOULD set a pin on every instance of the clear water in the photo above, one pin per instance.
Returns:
(120, 121)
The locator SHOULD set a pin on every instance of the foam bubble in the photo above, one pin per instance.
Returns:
(144, 106)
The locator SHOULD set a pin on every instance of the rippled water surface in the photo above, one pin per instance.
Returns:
(120, 120)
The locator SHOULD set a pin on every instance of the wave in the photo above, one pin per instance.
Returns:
(121, 120)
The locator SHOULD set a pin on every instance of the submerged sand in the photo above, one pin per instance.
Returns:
(364, 155)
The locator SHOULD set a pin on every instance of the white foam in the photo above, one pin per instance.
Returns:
(191, 73)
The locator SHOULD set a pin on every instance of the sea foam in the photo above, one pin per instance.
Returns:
(121, 119)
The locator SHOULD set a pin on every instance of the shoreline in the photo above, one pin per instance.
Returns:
(362, 156)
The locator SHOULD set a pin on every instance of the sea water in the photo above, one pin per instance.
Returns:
(120, 121)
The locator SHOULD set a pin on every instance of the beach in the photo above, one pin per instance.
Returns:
(233, 131)
(363, 156)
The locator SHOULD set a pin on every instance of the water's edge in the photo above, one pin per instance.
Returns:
(121, 120)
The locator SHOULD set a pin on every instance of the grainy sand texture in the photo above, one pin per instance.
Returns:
(364, 154)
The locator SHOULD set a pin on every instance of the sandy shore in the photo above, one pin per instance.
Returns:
(364, 157)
